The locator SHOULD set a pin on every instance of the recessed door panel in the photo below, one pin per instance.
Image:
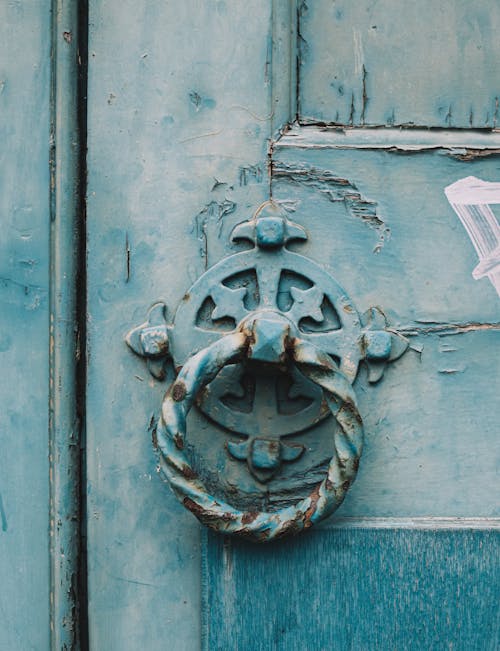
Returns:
(389, 63)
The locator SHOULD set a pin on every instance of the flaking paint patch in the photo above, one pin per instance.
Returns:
(215, 211)
(338, 189)
(424, 327)
(199, 102)
(453, 370)
(250, 174)
(127, 258)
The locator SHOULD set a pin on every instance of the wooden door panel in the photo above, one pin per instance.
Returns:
(382, 224)
(25, 568)
(409, 560)
(423, 63)
(356, 589)
(179, 114)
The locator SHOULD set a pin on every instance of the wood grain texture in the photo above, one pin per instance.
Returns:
(430, 64)
(359, 589)
(179, 120)
(24, 324)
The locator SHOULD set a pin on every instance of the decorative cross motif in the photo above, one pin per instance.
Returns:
(276, 296)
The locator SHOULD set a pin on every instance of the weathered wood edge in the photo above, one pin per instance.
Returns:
(67, 293)
(310, 137)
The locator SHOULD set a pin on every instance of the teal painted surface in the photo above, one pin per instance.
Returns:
(179, 115)
(381, 204)
(356, 589)
(408, 254)
(183, 98)
(377, 62)
(24, 324)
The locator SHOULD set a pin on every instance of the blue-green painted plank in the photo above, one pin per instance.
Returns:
(432, 422)
(358, 589)
(179, 120)
(24, 324)
(382, 62)
(283, 64)
(451, 141)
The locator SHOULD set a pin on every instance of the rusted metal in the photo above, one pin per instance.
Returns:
(178, 391)
(325, 498)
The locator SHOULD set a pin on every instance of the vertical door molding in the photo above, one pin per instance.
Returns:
(67, 321)
(40, 205)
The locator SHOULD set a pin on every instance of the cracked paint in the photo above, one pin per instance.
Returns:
(337, 188)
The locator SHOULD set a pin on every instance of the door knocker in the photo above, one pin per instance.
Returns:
(267, 345)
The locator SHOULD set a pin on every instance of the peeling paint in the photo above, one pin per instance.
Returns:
(336, 188)
(127, 258)
(468, 154)
(213, 211)
(199, 102)
(218, 185)
(452, 371)
(445, 329)
(364, 96)
(250, 174)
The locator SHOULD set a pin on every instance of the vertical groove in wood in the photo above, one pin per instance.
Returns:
(284, 56)
(67, 336)
(284, 91)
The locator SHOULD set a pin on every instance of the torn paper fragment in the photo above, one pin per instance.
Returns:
(471, 199)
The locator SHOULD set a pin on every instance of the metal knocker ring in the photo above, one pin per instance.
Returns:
(265, 337)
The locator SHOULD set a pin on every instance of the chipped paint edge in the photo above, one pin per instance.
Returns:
(394, 139)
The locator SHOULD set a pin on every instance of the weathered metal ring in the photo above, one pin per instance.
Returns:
(259, 526)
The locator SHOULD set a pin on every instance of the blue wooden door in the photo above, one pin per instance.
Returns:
(159, 128)
(356, 116)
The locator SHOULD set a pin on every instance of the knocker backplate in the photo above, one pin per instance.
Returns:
(245, 398)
